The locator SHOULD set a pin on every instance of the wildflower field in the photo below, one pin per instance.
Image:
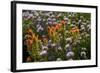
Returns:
(56, 36)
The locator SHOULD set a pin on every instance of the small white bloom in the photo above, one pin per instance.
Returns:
(59, 48)
(53, 44)
(47, 14)
(38, 25)
(59, 14)
(67, 31)
(59, 59)
(65, 18)
(70, 54)
(26, 14)
(84, 48)
(44, 47)
(51, 12)
(89, 26)
(77, 41)
(84, 23)
(44, 52)
(67, 46)
(36, 13)
(72, 25)
(52, 16)
(69, 15)
(54, 22)
(83, 53)
(69, 40)
(87, 21)
(82, 34)
(61, 37)
(44, 19)
(87, 35)
(50, 22)
(80, 38)
(54, 19)
(49, 41)
(43, 36)
(82, 26)
(79, 21)
(39, 19)
(81, 17)
(73, 22)
(40, 28)
(69, 22)
(31, 15)
(49, 19)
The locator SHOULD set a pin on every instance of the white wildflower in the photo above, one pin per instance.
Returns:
(36, 13)
(59, 59)
(25, 14)
(54, 22)
(72, 25)
(69, 15)
(50, 22)
(82, 26)
(44, 47)
(84, 48)
(84, 23)
(77, 41)
(43, 52)
(67, 46)
(73, 22)
(54, 19)
(70, 54)
(67, 31)
(81, 17)
(87, 35)
(59, 48)
(39, 19)
(40, 28)
(89, 26)
(52, 16)
(80, 21)
(59, 14)
(49, 41)
(69, 39)
(83, 53)
(49, 19)
(80, 38)
(65, 18)
(53, 44)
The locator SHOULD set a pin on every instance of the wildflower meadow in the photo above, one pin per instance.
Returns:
(56, 36)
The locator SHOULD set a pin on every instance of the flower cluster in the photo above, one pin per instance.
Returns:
(56, 36)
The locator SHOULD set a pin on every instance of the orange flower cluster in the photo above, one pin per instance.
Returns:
(63, 22)
(52, 30)
(30, 38)
(74, 30)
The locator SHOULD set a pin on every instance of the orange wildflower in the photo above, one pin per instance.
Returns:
(75, 29)
(57, 26)
(49, 30)
(29, 31)
(63, 22)
(35, 38)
